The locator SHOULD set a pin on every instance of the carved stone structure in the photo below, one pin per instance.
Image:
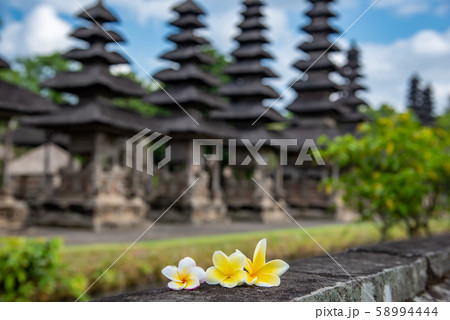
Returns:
(103, 193)
(15, 102)
(189, 87)
(245, 199)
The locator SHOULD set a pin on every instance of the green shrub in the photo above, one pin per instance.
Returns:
(395, 171)
(31, 270)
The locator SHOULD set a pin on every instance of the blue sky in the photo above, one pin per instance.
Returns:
(397, 37)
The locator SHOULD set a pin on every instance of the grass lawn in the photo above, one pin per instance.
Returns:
(141, 266)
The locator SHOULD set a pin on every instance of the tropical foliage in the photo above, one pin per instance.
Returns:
(394, 170)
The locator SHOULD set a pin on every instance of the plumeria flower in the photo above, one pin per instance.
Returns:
(187, 276)
(228, 271)
(259, 272)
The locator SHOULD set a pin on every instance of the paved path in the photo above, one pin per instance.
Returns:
(158, 231)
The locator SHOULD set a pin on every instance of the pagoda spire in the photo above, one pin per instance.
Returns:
(313, 93)
(351, 72)
(189, 85)
(247, 91)
(95, 80)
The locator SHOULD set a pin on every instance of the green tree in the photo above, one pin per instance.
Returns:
(137, 104)
(31, 72)
(216, 69)
(395, 170)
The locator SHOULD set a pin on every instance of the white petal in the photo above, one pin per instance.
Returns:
(175, 285)
(171, 272)
(198, 273)
(185, 265)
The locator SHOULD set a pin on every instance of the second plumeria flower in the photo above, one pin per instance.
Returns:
(228, 271)
(187, 276)
(260, 272)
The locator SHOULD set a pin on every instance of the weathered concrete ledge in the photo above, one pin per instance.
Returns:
(398, 271)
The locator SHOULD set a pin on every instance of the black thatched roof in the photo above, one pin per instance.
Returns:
(32, 137)
(252, 23)
(317, 12)
(3, 64)
(98, 13)
(188, 97)
(248, 112)
(190, 74)
(352, 117)
(352, 101)
(255, 51)
(313, 93)
(16, 101)
(316, 107)
(352, 75)
(253, 11)
(181, 124)
(96, 34)
(188, 54)
(96, 54)
(319, 45)
(94, 114)
(247, 91)
(250, 3)
(91, 81)
(251, 36)
(324, 84)
(254, 68)
(322, 27)
(252, 88)
(189, 85)
(187, 37)
(323, 63)
(187, 7)
(187, 22)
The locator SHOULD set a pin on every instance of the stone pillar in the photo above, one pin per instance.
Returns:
(279, 185)
(7, 155)
(215, 176)
(47, 181)
(96, 164)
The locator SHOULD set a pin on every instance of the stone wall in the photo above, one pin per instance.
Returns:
(400, 271)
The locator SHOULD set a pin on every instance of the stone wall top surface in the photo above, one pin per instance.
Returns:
(386, 272)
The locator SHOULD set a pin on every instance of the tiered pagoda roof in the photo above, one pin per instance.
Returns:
(94, 85)
(351, 72)
(189, 85)
(95, 79)
(314, 92)
(247, 90)
(17, 101)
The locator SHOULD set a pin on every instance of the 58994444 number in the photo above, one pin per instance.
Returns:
(405, 311)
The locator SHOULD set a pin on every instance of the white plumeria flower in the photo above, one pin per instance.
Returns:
(187, 276)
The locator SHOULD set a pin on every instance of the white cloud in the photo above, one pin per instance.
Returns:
(389, 67)
(222, 28)
(411, 7)
(41, 32)
(64, 6)
(148, 9)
